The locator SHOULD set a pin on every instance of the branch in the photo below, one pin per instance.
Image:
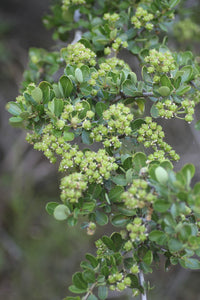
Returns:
(142, 281)
(123, 96)
(78, 33)
(89, 292)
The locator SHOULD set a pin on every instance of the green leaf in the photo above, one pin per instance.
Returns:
(71, 221)
(119, 221)
(13, 108)
(102, 292)
(173, 3)
(187, 73)
(154, 111)
(169, 220)
(148, 258)
(163, 26)
(126, 211)
(135, 125)
(164, 91)
(134, 281)
(183, 89)
(85, 42)
(174, 245)
(29, 99)
(101, 218)
(79, 75)
(78, 281)
(139, 161)
(86, 139)
(89, 276)
(105, 271)
(166, 164)
(86, 72)
(165, 81)
(161, 206)
(128, 87)
(161, 175)
(37, 94)
(50, 207)
(188, 171)
(83, 112)
(61, 212)
(128, 163)
(119, 180)
(158, 236)
(190, 263)
(58, 105)
(45, 88)
(16, 121)
(100, 108)
(145, 268)
(88, 206)
(145, 75)
(174, 260)
(94, 190)
(75, 290)
(114, 194)
(68, 136)
(128, 262)
(65, 86)
(86, 89)
(86, 265)
(92, 260)
(92, 297)
(117, 240)
(108, 242)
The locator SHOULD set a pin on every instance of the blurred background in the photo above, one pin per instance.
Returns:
(38, 255)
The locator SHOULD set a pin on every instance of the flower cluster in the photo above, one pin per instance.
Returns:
(168, 109)
(137, 231)
(97, 166)
(94, 165)
(101, 249)
(137, 196)
(111, 18)
(101, 76)
(117, 119)
(119, 43)
(118, 281)
(188, 107)
(160, 63)
(142, 19)
(71, 116)
(72, 187)
(151, 134)
(67, 3)
(78, 55)
(70, 158)
(48, 143)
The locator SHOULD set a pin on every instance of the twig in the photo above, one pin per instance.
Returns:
(78, 33)
(89, 292)
(123, 96)
(142, 281)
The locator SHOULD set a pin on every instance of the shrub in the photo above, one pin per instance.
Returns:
(154, 209)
